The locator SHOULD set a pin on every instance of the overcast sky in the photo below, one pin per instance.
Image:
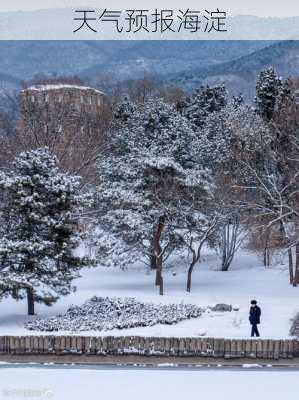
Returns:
(269, 8)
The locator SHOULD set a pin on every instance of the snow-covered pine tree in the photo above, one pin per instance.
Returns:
(215, 144)
(39, 229)
(124, 110)
(270, 91)
(148, 169)
(202, 102)
(238, 100)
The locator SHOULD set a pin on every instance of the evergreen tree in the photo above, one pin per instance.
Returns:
(238, 101)
(270, 93)
(150, 167)
(204, 101)
(39, 225)
(216, 143)
(124, 109)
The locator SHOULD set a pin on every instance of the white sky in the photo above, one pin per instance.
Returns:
(268, 8)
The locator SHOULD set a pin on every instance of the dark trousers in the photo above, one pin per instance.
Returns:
(254, 330)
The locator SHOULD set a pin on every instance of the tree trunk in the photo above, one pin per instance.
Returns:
(153, 262)
(159, 277)
(266, 257)
(161, 290)
(15, 293)
(230, 238)
(157, 282)
(296, 277)
(290, 257)
(224, 249)
(266, 249)
(190, 270)
(30, 301)
(291, 268)
(158, 254)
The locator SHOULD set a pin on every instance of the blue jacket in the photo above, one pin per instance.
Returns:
(255, 315)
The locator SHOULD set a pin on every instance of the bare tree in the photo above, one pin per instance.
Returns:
(263, 239)
(232, 237)
(196, 236)
(268, 181)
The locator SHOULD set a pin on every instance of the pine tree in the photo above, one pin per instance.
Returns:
(124, 110)
(39, 229)
(271, 92)
(216, 137)
(203, 102)
(150, 167)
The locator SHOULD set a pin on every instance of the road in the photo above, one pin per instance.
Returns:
(143, 362)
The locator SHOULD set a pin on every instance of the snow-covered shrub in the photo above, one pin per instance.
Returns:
(104, 313)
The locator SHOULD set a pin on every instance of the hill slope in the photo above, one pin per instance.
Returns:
(241, 73)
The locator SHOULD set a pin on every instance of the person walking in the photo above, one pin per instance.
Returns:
(254, 318)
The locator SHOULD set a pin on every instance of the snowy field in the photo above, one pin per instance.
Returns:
(246, 280)
(75, 384)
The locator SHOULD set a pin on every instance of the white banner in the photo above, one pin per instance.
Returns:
(149, 20)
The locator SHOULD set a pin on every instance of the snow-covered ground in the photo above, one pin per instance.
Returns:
(75, 384)
(246, 280)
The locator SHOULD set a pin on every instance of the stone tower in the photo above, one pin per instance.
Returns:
(68, 119)
(60, 107)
